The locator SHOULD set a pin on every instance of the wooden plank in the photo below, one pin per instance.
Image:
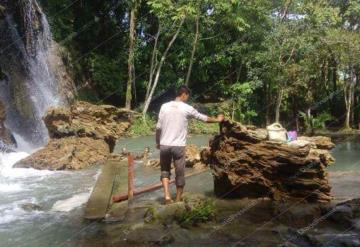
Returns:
(98, 203)
(124, 196)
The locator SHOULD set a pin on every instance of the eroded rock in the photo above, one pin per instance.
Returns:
(246, 164)
(71, 153)
(104, 122)
(193, 156)
(7, 141)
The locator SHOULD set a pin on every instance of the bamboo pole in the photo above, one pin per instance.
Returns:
(123, 196)
(130, 193)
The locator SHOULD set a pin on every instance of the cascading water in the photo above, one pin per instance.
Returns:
(32, 79)
(29, 85)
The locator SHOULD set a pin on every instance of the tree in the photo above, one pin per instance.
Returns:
(131, 66)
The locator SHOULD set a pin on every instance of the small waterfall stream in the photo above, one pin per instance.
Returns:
(30, 86)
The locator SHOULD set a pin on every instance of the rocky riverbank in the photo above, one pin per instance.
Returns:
(245, 164)
(81, 135)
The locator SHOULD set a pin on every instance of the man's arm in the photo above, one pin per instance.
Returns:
(158, 129)
(195, 114)
(220, 118)
(157, 137)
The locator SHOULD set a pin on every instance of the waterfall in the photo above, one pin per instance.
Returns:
(30, 83)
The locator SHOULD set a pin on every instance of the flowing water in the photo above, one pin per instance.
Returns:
(61, 195)
(30, 86)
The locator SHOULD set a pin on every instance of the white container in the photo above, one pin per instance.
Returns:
(276, 132)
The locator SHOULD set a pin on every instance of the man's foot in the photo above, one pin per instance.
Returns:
(179, 200)
(168, 201)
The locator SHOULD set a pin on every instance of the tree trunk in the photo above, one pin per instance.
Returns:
(348, 95)
(158, 70)
(196, 38)
(153, 64)
(278, 104)
(131, 66)
(267, 103)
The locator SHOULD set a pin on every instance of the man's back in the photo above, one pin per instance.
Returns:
(173, 122)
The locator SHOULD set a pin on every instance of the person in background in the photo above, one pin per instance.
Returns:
(171, 132)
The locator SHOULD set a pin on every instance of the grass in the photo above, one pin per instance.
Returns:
(141, 128)
(199, 127)
(203, 211)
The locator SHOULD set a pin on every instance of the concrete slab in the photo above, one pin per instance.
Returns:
(98, 203)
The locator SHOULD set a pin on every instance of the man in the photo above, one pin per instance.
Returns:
(171, 131)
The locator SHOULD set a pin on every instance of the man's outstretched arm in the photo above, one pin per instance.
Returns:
(197, 115)
(220, 118)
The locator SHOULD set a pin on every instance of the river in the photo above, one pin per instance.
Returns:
(61, 195)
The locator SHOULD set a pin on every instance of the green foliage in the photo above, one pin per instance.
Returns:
(140, 127)
(315, 123)
(251, 54)
(105, 74)
(87, 95)
(203, 211)
(199, 127)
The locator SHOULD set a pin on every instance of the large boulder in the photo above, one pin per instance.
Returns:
(82, 119)
(246, 164)
(80, 136)
(69, 153)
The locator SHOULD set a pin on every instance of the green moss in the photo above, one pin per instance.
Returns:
(203, 211)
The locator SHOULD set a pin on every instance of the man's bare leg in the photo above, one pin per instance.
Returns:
(165, 182)
(179, 192)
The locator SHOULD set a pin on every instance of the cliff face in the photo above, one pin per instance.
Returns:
(32, 74)
(246, 164)
(7, 141)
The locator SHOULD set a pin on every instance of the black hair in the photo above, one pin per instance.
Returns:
(183, 89)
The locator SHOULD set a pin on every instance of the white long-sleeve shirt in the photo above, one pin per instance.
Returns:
(173, 122)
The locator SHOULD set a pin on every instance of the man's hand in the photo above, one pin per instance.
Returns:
(220, 118)
(158, 146)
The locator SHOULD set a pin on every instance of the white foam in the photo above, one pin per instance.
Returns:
(71, 203)
(22, 144)
(7, 187)
(7, 160)
(13, 212)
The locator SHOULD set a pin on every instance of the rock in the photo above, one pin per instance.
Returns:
(70, 153)
(192, 155)
(30, 207)
(345, 213)
(153, 163)
(321, 142)
(83, 119)
(7, 140)
(246, 164)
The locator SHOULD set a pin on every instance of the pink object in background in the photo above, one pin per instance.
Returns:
(292, 135)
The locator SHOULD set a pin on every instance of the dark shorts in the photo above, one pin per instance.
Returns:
(169, 153)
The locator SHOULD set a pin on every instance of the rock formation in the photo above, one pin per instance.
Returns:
(7, 141)
(246, 164)
(70, 153)
(193, 157)
(81, 135)
(83, 119)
